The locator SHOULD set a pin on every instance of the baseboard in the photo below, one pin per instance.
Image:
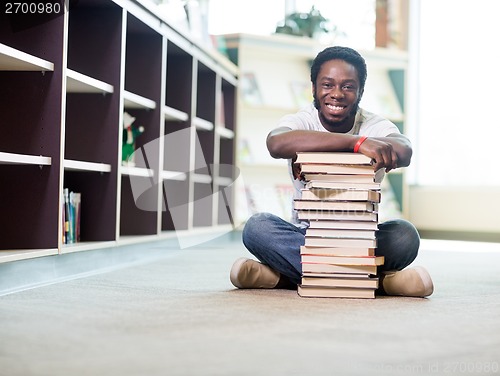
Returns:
(27, 274)
(460, 235)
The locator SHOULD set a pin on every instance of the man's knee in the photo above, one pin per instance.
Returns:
(400, 234)
(256, 225)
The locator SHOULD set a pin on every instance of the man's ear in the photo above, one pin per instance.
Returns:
(361, 93)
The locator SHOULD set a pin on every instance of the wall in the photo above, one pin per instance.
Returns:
(456, 212)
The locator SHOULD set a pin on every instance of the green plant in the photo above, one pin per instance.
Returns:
(304, 24)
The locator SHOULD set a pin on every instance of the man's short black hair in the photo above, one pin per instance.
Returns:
(340, 53)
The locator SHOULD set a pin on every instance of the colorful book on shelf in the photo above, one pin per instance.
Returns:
(335, 292)
(71, 216)
(250, 92)
(75, 199)
(327, 194)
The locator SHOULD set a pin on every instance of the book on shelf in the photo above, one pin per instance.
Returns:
(343, 225)
(345, 178)
(337, 169)
(339, 280)
(335, 205)
(310, 267)
(75, 200)
(327, 194)
(305, 215)
(335, 292)
(71, 215)
(328, 184)
(250, 91)
(341, 233)
(337, 251)
(343, 260)
(343, 158)
(302, 94)
(313, 241)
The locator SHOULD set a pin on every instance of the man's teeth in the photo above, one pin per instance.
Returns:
(336, 108)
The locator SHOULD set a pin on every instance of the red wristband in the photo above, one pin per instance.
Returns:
(358, 144)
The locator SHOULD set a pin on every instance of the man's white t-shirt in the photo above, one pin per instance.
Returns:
(365, 124)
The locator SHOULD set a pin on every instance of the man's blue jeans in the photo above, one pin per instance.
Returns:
(276, 242)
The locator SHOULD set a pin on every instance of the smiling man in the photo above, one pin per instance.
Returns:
(334, 122)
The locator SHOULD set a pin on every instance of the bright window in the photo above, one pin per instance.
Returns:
(355, 20)
(454, 99)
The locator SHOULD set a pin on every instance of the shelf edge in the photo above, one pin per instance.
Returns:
(12, 59)
(80, 83)
(132, 100)
(73, 165)
(24, 159)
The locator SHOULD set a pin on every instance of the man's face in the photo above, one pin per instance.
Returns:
(336, 95)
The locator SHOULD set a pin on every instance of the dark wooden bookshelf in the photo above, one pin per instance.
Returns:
(66, 82)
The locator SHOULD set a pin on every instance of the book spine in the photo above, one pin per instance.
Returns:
(67, 212)
(71, 216)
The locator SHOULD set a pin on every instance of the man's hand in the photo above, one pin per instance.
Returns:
(296, 170)
(382, 153)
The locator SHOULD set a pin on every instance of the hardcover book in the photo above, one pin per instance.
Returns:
(335, 292)
(368, 282)
(343, 158)
(337, 251)
(337, 215)
(308, 267)
(335, 205)
(343, 260)
(339, 242)
(341, 194)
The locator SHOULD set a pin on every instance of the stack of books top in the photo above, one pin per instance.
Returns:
(340, 201)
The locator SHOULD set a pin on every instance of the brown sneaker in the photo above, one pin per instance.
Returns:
(250, 274)
(414, 282)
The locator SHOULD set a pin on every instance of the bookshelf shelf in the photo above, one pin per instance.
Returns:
(137, 171)
(99, 60)
(223, 181)
(80, 83)
(224, 132)
(24, 254)
(173, 114)
(12, 59)
(72, 165)
(20, 159)
(174, 175)
(135, 101)
(86, 246)
(200, 178)
(203, 124)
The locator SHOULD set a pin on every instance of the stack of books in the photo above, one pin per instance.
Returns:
(71, 216)
(340, 201)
